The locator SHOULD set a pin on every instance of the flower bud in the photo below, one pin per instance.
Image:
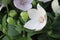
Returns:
(12, 13)
(24, 16)
(10, 20)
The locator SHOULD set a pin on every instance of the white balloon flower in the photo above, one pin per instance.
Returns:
(38, 19)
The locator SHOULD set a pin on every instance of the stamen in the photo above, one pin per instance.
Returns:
(22, 2)
(41, 19)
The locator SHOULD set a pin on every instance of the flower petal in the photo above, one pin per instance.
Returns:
(2, 5)
(21, 6)
(17, 3)
(32, 24)
(55, 6)
(41, 10)
(44, 0)
(32, 13)
(35, 13)
(35, 25)
(29, 1)
(26, 7)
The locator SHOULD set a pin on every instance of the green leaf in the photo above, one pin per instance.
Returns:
(29, 38)
(51, 34)
(5, 2)
(6, 38)
(18, 27)
(44, 37)
(55, 32)
(11, 31)
(0, 27)
(24, 38)
(4, 24)
(50, 16)
(31, 33)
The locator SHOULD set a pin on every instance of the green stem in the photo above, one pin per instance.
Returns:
(23, 32)
(7, 8)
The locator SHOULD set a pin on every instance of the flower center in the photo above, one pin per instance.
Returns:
(22, 2)
(41, 19)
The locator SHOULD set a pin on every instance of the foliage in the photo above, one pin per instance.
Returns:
(12, 22)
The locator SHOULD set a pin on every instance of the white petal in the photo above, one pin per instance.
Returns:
(55, 6)
(36, 13)
(41, 10)
(42, 22)
(41, 26)
(35, 25)
(31, 24)
(2, 5)
(44, 0)
(32, 13)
